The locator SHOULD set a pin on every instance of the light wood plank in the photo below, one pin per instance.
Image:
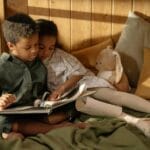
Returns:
(2, 15)
(142, 6)
(2, 10)
(13, 6)
(80, 24)
(101, 20)
(60, 14)
(120, 9)
(39, 9)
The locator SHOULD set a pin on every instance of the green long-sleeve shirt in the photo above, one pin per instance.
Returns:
(26, 80)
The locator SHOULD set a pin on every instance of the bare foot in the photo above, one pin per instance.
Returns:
(144, 125)
(12, 135)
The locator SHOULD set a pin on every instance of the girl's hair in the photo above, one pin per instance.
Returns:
(47, 27)
(18, 26)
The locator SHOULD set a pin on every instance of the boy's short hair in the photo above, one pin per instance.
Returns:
(18, 26)
(47, 27)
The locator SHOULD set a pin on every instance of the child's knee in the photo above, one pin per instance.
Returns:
(56, 118)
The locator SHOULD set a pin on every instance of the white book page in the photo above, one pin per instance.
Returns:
(78, 93)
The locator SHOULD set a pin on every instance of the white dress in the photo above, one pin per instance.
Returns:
(62, 65)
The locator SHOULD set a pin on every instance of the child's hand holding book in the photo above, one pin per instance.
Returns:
(56, 94)
(6, 100)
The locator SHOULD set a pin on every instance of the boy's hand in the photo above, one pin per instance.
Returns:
(6, 100)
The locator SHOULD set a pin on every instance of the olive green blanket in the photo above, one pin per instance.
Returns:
(102, 134)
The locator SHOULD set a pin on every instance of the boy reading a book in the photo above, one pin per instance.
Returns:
(65, 71)
(22, 77)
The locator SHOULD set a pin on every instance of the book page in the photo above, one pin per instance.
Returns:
(46, 107)
(22, 110)
(78, 91)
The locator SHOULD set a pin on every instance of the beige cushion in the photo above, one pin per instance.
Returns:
(143, 88)
(87, 56)
(134, 37)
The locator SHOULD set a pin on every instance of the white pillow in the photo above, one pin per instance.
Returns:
(134, 37)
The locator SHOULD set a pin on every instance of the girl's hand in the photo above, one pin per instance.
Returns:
(6, 100)
(56, 94)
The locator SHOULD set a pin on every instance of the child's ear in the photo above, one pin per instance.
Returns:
(10, 46)
(118, 68)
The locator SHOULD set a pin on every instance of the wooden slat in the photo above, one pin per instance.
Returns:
(38, 9)
(80, 24)
(13, 6)
(142, 6)
(120, 9)
(2, 15)
(101, 20)
(2, 12)
(60, 14)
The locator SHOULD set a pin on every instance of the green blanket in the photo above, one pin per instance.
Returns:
(102, 134)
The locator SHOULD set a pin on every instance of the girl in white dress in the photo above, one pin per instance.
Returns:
(65, 71)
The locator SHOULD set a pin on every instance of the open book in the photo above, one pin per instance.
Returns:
(43, 106)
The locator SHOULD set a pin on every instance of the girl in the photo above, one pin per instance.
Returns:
(65, 71)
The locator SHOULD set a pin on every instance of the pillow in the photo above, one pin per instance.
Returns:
(134, 37)
(87, 56)
(143, 88)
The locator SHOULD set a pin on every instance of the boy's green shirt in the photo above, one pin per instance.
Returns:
(26, 80)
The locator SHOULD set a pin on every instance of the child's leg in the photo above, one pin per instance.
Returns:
(122, 99)
(55, 118)
(12, 135)
(94, 107)
(28, 127)
(141, 123)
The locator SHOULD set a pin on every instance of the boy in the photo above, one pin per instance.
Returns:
(22, 76)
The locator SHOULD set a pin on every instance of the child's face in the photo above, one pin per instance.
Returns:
(46, 46)
(25, 49)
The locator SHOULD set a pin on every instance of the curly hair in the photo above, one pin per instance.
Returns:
(18, 26)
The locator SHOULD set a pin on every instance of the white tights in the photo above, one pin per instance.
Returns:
(108, 102)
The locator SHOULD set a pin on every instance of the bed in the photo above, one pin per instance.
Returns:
(101, 134)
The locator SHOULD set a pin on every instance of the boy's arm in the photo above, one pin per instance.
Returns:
(71, 82)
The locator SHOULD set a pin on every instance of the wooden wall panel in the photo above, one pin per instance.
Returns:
(142, 6)
(13, 6)
(120, 9)
(101, 20)
(39, 9)
(2, 10)
(80, 24)
(61, 16)
(2, 15)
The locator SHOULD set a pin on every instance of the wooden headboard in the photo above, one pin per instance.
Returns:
(81, 23)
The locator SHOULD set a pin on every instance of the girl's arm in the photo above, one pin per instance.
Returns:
(71, 82)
